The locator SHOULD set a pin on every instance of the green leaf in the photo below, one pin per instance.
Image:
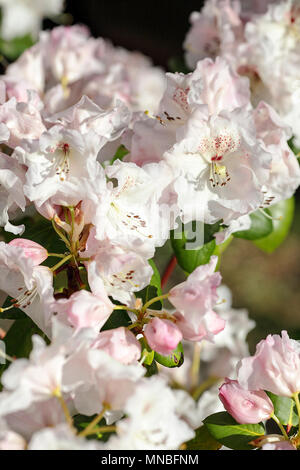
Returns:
(117, 318)
(120, 154)
(147, 353)
(284, 409)
(284, 211)
(153, 290)
(203, 440)
(18, 341)
(261, 226)
(293, 147)
(174, 359)
(190, 259)
(151, 370)
(232, 434)
(15, 47)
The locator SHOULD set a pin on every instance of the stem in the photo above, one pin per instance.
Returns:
(65, 409)
(169, 270)
(63, 261)
(102, 430)
(195, 369)
(152, 301)
(274, 417)
(204, 386)
(296, 399)
(56, 255)
(61, 235)
(124, 307)
(90, 428)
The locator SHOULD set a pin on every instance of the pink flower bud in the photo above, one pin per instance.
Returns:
(163, 336)
(31, 250)
(246, 407)
(119, 343)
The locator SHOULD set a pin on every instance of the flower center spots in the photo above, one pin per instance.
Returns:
(121, 278)
(62, 161)
(180, 97)
(132, 221)
(215, 149)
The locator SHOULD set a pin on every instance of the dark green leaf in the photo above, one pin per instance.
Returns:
(174, 359)
(293, 147)
(203, 440)
(284, 211)
(284, 409)
(151, 370)
(190, 259)
(153, 290)
(117, 318)
(232, 434)
(261, 226)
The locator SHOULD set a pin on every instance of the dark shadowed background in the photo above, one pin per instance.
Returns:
(157, 27)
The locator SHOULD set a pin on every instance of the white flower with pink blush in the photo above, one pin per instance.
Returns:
(194, 300)
(84, 309)
(29, 284)
(275, 367)
(154, 420)
(121, 270)
(12, 198)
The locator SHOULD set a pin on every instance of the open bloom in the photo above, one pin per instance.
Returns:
(274, 367)
(154, 419)
(29, 284)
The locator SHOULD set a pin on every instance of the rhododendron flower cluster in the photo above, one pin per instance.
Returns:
(105, 159)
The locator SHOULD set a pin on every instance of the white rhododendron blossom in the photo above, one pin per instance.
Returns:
(108, 166)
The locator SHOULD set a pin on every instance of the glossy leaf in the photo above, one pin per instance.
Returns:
(284, 409)
(232, 434)
(174, 359)
(203, 440)
(261, 226)
(190, 259)
(284, 211)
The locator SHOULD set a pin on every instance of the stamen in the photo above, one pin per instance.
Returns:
(25, 299)
(268, 216)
